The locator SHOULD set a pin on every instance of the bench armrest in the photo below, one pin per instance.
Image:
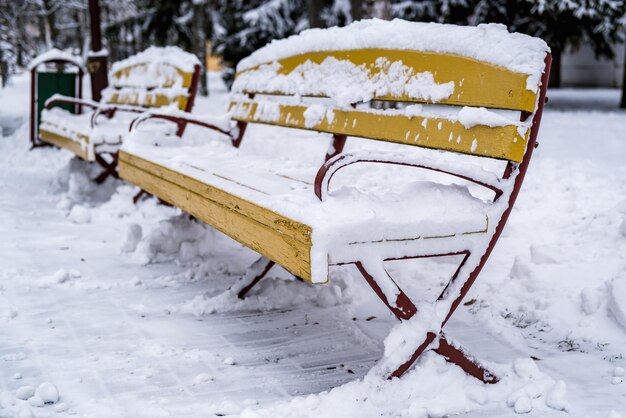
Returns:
(109, 111)
(330, 167)
(180, 118)
(60, 99)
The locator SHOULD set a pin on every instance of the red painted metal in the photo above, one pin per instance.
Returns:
(330, 167)
(241, 130)
(517, 185)
(33, 107)
(403, 308)
(70, 100)
(266, 268)
(193, 89)
(457, 355)
(178, 119)
(339, 142)
(109, 168)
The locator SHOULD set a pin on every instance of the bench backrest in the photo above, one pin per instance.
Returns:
(355, 76)
(155, 77)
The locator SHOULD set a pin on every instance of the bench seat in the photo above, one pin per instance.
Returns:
(285, 221)
(66, 129)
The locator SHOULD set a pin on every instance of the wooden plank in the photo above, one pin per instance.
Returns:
(65, 142)
(148, 99)
(476, 83)
(186, 77)
(290, 253)
(503, 142)
(271, 219)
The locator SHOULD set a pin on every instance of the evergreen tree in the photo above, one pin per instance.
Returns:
(245, 26)
(561, 23)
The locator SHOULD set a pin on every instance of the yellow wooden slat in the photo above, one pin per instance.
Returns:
(65, 142)
(148, 100)
(503, 142)
(280, 223)
(186, 76)
(476, 83)
(290, 253)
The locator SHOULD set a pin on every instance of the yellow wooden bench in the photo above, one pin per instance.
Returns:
(154, 78)
(285, 211)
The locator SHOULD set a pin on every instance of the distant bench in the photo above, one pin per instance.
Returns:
(154, 78)
(287, 214)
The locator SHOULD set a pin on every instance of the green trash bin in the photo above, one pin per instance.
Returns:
(51, 83)
(47, 82)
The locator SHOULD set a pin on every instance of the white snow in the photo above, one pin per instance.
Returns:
(617, 299)
(172, 55)
(472, 116)
(56, 54)
(25, 392)
(129, 339)
(47, 392)
(345, 82)
(487, 42)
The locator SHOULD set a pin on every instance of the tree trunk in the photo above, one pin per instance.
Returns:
(356, 9)
(50, 15)
(555, 72)
(198, 43)
(380, 9)
(4, 69)
(622, 103)
(80, 34)
(314, 9)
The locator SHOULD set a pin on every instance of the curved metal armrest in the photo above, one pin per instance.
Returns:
(178, 119)
(59, 99)
(330, 167)
(109, 111)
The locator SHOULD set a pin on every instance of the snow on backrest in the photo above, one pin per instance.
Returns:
(153, 78)
(475, 67)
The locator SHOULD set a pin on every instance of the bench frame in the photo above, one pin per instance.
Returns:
(403, 308)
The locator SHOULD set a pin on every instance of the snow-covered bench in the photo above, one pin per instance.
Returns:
(281, 206)
(156, 77)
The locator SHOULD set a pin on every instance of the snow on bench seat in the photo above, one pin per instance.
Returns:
(60, 124)
(222, 185)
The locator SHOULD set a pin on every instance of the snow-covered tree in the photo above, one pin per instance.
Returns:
(246, 25)
(561, 23)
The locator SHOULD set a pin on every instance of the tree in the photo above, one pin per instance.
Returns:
(623, 101)
(245, 26)
(567, 24)
(562, 24)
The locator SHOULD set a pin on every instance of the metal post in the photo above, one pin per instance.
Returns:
(97, 57)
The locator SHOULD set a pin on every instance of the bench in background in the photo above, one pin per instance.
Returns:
(156, 77)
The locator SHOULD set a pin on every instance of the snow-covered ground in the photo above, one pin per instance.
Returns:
(122, 307)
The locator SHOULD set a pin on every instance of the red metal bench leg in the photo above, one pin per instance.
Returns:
(455, 354)
(139, 195)
(110, 169)
(404, 309)
(255, 273)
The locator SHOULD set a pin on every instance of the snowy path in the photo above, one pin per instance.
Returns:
(120, 338)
